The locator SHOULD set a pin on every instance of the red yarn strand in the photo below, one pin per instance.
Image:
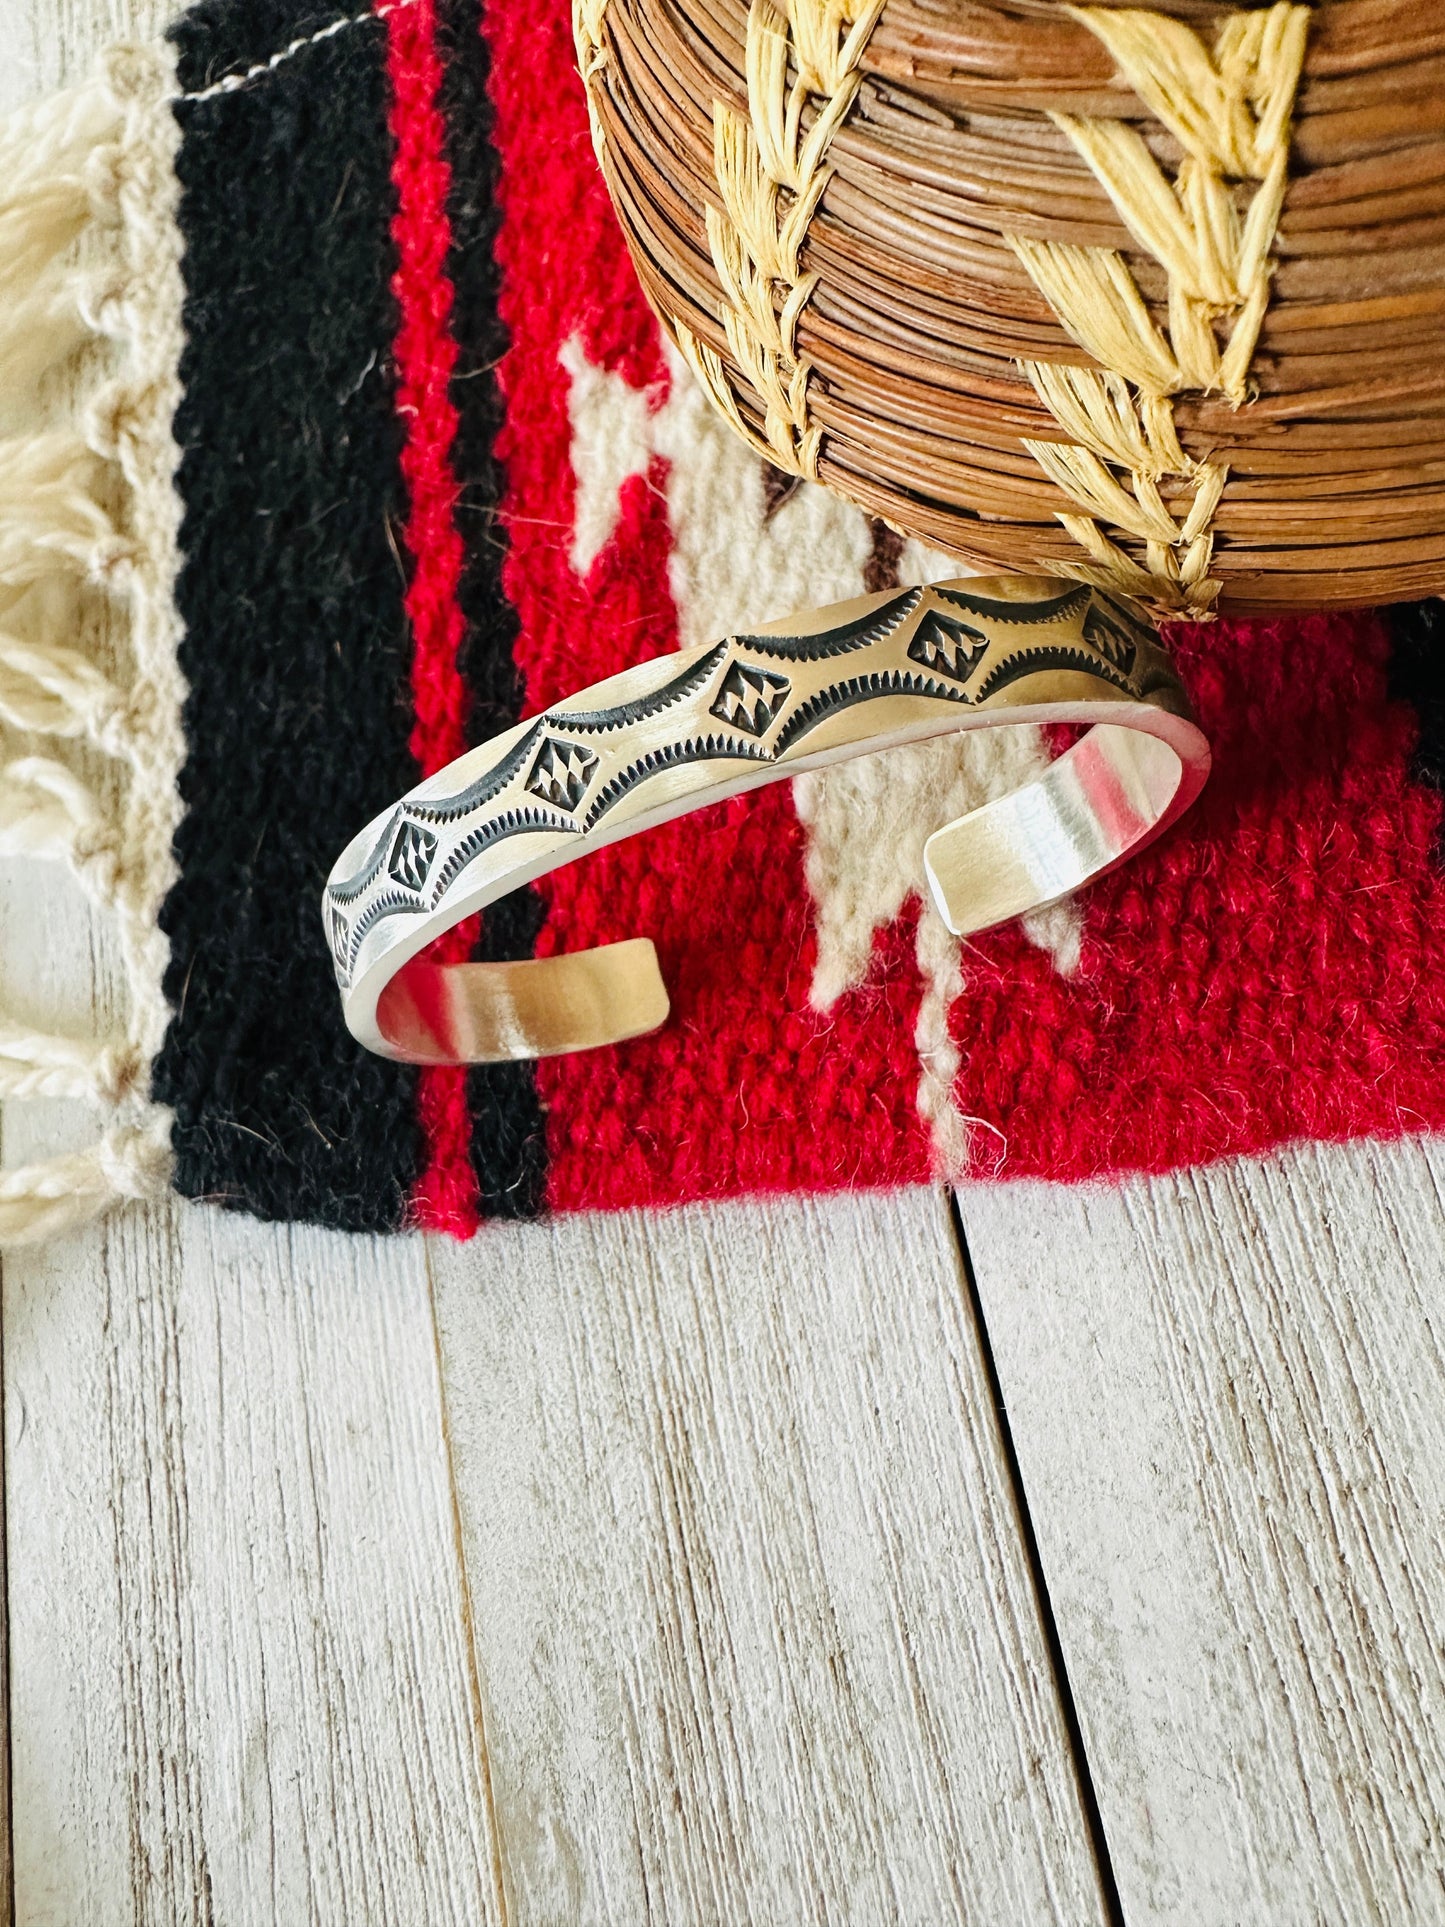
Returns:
(747, 1088)
(445, 1195)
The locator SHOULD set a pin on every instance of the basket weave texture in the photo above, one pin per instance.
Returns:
(1150, 298)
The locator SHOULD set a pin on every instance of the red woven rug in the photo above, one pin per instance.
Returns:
(437, 471)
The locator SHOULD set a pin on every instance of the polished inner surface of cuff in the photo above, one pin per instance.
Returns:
(1082, 815)
(490, 1013)
(1085, 813)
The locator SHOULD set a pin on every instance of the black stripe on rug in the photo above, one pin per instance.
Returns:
(1417, 677)
(508, 1133)
(297, 648)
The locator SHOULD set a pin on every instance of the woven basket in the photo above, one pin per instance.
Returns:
(1152, 299)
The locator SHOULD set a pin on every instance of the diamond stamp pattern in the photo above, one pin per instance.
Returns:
(1107, 628)
(411, 855)
(750, 698)
(338, 933)
(947, 645)
(561, 772)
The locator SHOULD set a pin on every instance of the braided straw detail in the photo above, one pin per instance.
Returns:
(591, 59)
(771, 176)
(1230, 112)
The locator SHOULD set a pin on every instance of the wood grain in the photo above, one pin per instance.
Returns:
(57, 963)
(243, 1682)
(242, 1678)
(1227, 1391)
(757, 1637)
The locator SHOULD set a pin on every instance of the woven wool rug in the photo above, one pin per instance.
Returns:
(382, 450)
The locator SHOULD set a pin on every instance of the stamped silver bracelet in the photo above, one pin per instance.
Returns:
(686, 730)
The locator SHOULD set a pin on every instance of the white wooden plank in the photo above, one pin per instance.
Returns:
(241, 1670)
(57, 964)
(242, 1679)
(1227, 1391)
(756, 1634)
(51, 43)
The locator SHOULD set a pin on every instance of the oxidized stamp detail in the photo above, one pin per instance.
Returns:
(562, 772)
(694, 725)
(1114, 632)
(949, 644)
(750, 697)
(411, 854)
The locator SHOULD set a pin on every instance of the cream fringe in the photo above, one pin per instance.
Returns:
(89, 520)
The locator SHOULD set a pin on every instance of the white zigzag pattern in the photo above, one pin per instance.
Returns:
(731, 568)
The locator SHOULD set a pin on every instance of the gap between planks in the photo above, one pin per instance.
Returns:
(1048, 1624)
(756, 1631)
(469, 1623)
(1228, 1394)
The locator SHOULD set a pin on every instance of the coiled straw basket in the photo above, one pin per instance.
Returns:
(1155, 299)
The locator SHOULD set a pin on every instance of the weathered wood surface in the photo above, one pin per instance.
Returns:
(243, 1680)
(1227, 1392)
(743, 1630)
(757, 1635)
(242, 1677)
(667, 1569)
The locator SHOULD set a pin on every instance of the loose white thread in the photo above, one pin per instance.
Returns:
(90, 256)
(230, 83)
(46, 811)
(55, 691)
